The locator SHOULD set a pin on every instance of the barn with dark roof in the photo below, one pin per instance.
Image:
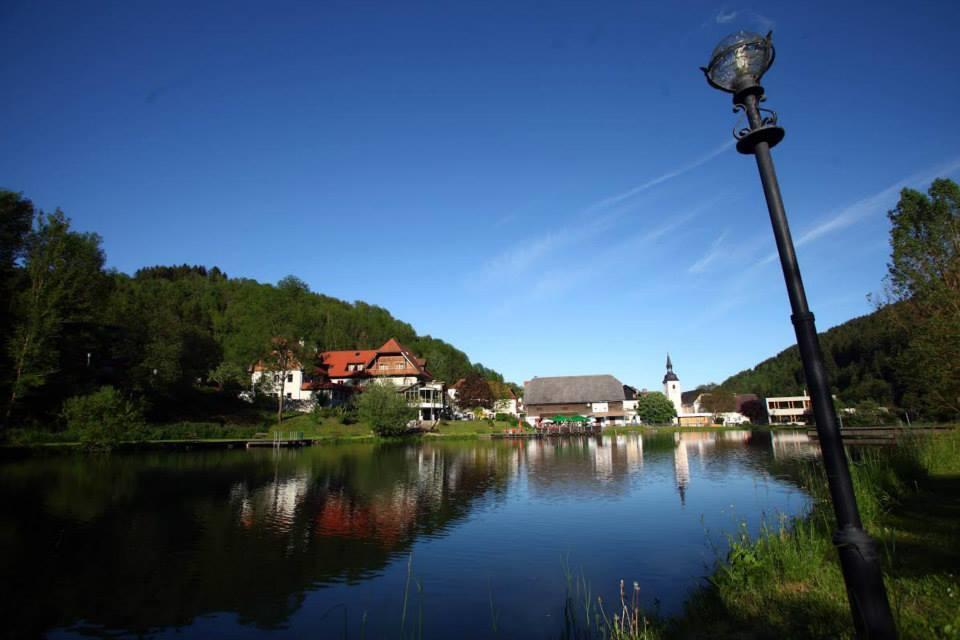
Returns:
(599, 397)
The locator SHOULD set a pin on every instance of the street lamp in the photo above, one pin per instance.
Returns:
(736, 66)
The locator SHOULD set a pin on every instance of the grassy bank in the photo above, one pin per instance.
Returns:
(787, 583)
(313, 428)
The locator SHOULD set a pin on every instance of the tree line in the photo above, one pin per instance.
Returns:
(904, 356)
(70, 326)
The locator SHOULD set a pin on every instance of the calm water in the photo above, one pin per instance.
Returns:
(305, 543)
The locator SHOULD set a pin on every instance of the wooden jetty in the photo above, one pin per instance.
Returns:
(282, 439)
(572, 429)
(880, 434)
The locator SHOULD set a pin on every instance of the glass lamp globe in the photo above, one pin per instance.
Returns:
(739, 61)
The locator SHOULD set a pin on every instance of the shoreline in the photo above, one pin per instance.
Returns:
(491, 433)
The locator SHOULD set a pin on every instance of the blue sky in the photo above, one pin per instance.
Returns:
(551, 187)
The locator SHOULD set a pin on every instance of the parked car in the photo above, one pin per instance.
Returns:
(246, 396)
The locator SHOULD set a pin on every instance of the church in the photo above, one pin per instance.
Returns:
(687, 414)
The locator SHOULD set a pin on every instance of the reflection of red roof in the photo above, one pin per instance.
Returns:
(384, 519)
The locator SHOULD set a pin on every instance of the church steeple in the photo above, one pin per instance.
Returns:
(671, 387)
(670, 375)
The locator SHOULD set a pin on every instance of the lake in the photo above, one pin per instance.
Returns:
(329, 541)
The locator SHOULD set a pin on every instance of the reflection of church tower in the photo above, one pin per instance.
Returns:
(681, 468)
(671, 386)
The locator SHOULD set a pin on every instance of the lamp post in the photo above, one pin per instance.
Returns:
(736, 66)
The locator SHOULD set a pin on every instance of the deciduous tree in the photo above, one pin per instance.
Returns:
(385, 410)
(655, 408)
(924, 278)
(64, 281)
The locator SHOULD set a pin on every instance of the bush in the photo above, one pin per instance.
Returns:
(655, 408)
(344, 413)
(199, 430)
(104, 418)
(385, 410)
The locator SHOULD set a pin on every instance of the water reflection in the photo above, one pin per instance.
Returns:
(149, 543)
(792, 444)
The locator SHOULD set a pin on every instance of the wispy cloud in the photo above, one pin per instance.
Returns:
(745, 19)
(723, 17)
(878, 202)
(669, 175)
(711, 255)
(589, 222)
(572, 272)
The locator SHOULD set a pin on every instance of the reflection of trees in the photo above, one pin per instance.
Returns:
(138, 542)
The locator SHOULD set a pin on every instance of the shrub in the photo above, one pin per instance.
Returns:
(385, 410)
(198, 430)
(103, 418)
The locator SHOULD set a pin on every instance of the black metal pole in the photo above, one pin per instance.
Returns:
(859, 559)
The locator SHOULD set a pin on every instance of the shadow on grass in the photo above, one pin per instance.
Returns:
(791, 614)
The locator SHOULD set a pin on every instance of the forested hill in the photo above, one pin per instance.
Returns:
(72, 326)
(861, 357)
(236, 315)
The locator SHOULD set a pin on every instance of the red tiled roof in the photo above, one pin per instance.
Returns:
(337, 361)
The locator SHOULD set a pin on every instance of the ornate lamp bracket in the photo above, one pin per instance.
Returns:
(760, 126)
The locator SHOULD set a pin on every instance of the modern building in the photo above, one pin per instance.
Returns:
(599, 397)
(790, 410)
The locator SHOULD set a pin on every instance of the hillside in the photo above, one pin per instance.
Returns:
(860, 356)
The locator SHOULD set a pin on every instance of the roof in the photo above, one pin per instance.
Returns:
(337, 361)
(391, 346)
(670, 376)
(571, 389)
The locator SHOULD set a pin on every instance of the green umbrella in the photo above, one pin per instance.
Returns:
(559, 418)
(579, 419)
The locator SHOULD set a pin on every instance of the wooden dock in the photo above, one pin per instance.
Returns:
(282, 439)
(880, 434)
(552, 431)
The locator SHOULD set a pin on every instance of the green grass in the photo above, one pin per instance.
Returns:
(667, 428)
(786, 582)
(471, 428)
(324, 428)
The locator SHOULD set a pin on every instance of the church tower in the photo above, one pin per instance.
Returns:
(671, 386)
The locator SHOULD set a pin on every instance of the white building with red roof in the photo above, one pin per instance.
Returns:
(338, 374)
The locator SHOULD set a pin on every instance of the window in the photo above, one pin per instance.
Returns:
(289, 377)
(359, 367)
(289, 396)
